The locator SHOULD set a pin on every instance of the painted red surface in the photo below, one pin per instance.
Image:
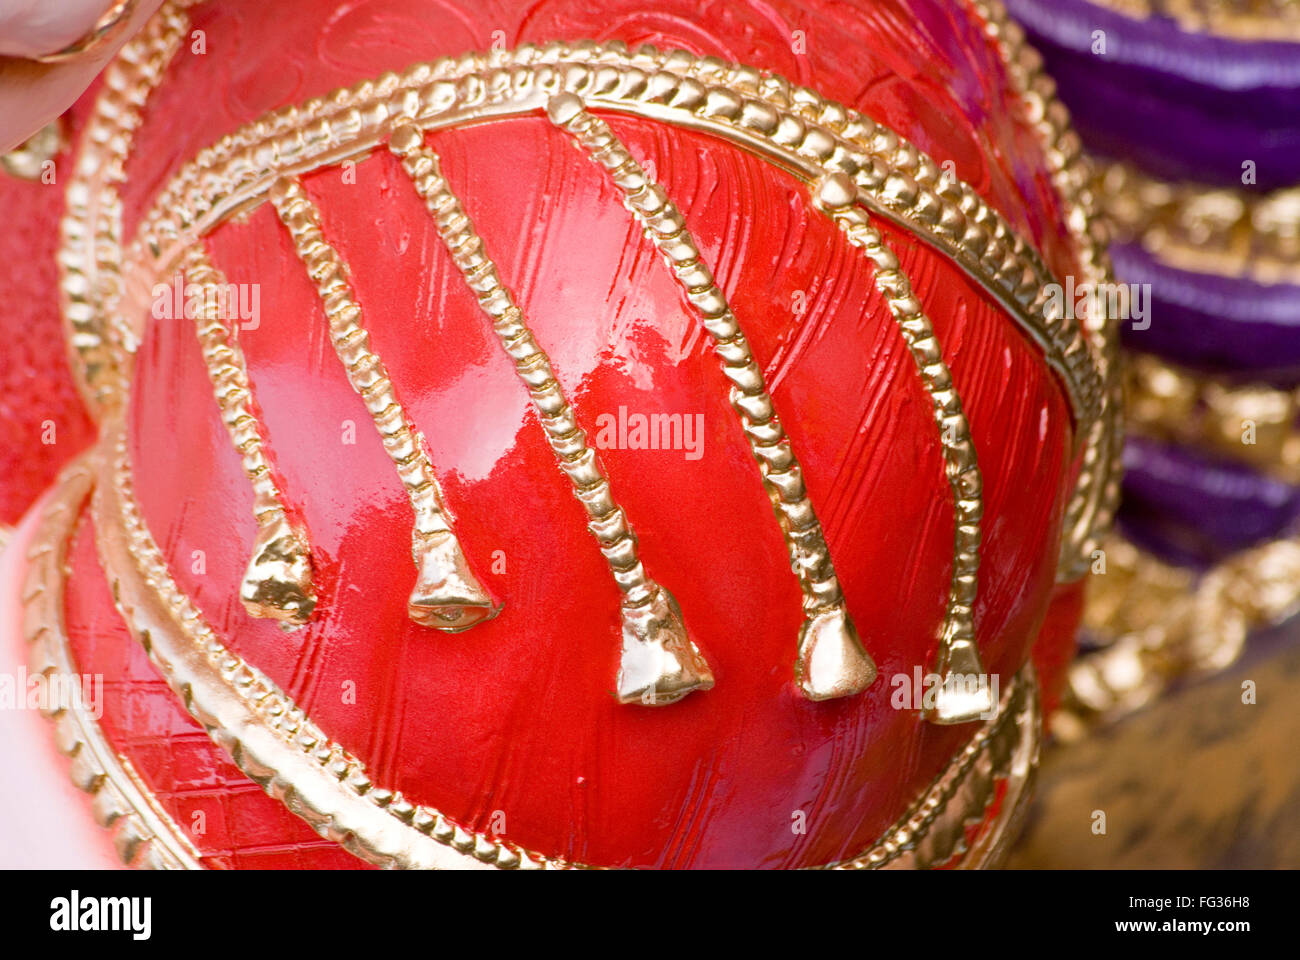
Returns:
(43, 424)
(515, 717)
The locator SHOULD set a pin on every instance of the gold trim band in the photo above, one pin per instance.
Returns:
(447, 595)
(144, 834)
(1201, 229)
(831, 662)
(278, 582)
(276, 744)
(1161, 623)
(90, 250)
(1095, 498)
(793, 127)
(1270, 20)
(659, 662)
(836, 196)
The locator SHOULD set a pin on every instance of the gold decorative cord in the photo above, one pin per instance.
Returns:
(266, 734)
(271, 739)
(144, 834)
(1175, 405)
(791, 126)
(278, 582)
(831, 662)
(1162, 623)
(659, 663)
(447, 595)
(836, 196)
(1095, 498)
(90, 253)
(277, 745)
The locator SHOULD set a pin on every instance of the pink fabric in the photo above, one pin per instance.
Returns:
(45, 821)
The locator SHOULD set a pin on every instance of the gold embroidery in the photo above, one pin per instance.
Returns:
(90, 254)
(1270, 20)
(1200, 229)
(276, 744)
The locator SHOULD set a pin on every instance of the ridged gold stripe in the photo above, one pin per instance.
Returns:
(278, 581)
(90, 252)
(959, 655)
(1162, 623)
(933, 829)
(266, 734)
(1091, 508)
(831, 661)
(275, 743)
(144, 834)
(1216, 230)
(793, 127)
(659, 663)
(447, 595)
(1181, 406)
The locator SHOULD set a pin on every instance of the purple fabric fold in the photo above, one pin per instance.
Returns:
(1181, 105)
(1194, 510)
(1223, 325)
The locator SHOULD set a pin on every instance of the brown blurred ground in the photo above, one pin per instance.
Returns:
(1198, 780)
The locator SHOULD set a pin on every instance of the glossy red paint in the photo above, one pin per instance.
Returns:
(515, 717)
(43, 423)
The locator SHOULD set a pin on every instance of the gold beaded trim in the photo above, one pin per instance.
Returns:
(447, 595)
(1092, 505)
(277, 746)
(268, 736)
(1162, 623)
(278, 581)
(831, 662)
(901, 190)
(792, 126)
(958, 651)
(659, 663)
(90, 253)
(1238, 19)
(1189, 226)
(28, 160)
(930, 833)
(144, 834)
(1176, 405)
(760, 112)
